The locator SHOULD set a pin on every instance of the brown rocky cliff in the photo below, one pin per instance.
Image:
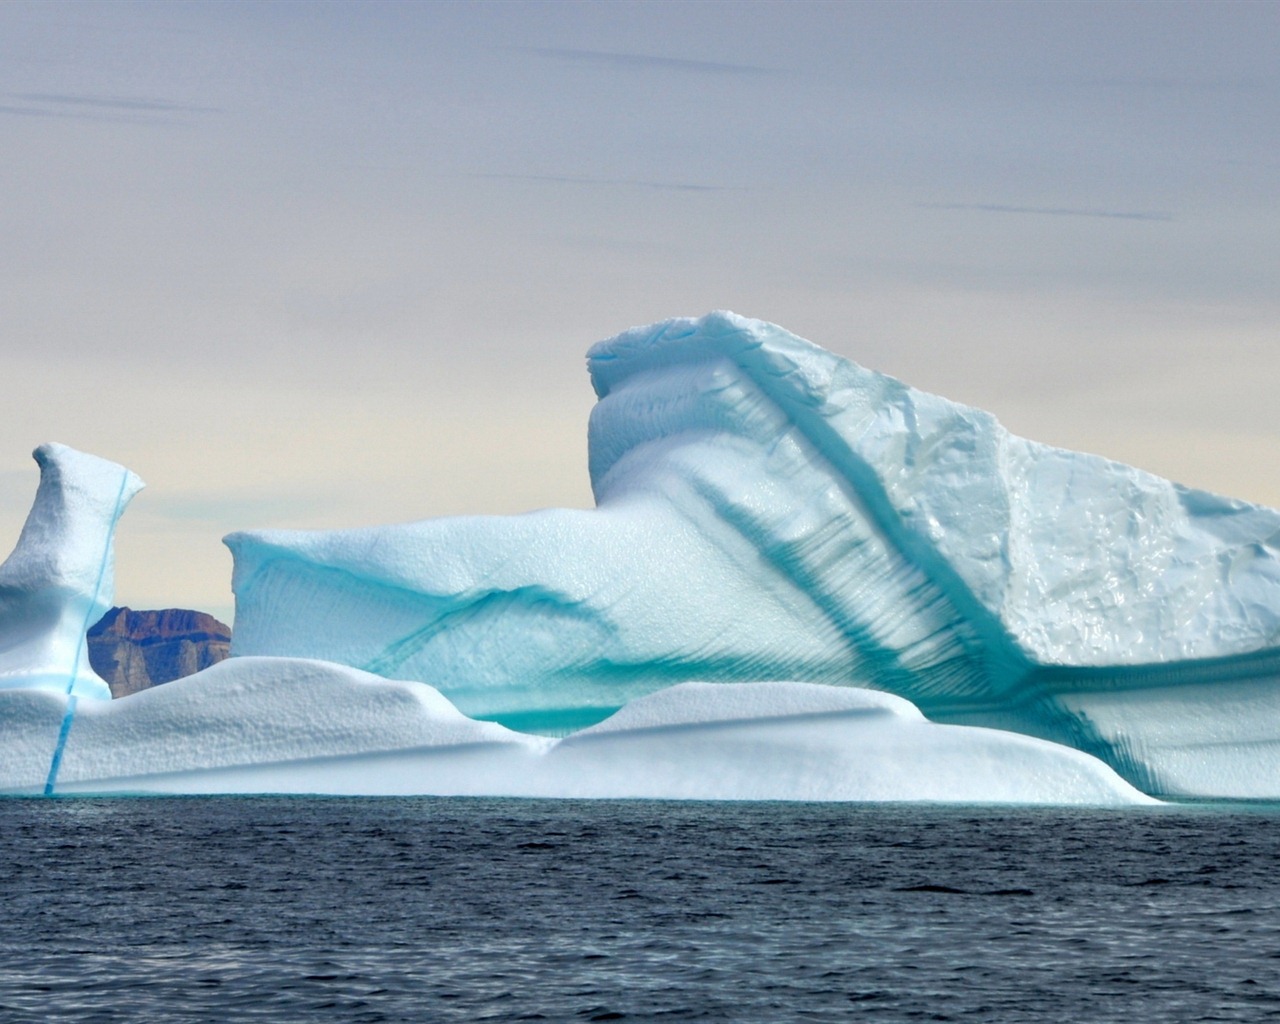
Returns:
(134, 650)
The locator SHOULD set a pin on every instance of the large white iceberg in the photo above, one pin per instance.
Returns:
(278, 725)
(767, 510)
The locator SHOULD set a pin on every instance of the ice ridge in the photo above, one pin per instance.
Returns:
(275, 725)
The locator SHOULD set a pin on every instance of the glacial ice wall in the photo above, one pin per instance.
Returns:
(60, 579)
(768, 510)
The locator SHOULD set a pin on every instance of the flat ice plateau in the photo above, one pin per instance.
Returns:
(953, 610)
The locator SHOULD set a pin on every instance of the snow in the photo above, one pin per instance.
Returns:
(272, 725)
(805, 741)
(768, 510)
(60, 578)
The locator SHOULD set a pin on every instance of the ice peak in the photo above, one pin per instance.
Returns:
(60, 578)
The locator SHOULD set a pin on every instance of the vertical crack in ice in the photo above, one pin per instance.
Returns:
(82, 652)
(64, 731)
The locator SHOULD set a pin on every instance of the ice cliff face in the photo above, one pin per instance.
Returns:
(767, 510)
(60, 578)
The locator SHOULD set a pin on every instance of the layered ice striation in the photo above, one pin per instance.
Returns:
(767, 510)
(60, 578)
(278, 725)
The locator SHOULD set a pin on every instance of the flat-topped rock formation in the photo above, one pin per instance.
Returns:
(135, 650)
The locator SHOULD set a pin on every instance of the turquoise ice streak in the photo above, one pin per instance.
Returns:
(68, 718)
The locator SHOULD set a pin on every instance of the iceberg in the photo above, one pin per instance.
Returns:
(60, 579)
(953, 610)
(288, 725)
(279, 725)
(766, 510)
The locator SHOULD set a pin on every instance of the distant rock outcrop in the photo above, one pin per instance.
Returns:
(135, 650)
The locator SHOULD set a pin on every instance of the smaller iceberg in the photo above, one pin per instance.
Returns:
(60, 578)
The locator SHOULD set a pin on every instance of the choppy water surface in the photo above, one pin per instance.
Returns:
(492, 910)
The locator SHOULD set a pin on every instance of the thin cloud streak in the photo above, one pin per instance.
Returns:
(650, 61)
(1188, 84)
(101, 109)
(675, 186)
(68, 115)
(1052, 211)
(113, 103)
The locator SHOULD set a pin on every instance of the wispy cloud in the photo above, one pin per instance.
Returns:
(651, 62)
(1179, 84)
(113, 102)
(675, 186)
(12, 110)
(114, 109)
(1052, 211)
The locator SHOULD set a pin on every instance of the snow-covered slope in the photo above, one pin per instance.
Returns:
(804, 741)
(248, 725)
(60, 578)
(767, 510)
(274, 725)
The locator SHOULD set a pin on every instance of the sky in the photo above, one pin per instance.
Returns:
(335, 264)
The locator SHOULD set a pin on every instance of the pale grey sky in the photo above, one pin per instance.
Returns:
(337, 264)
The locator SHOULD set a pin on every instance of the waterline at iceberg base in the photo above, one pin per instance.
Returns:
(791, 558)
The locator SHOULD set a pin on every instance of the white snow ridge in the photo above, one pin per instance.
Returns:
(284, 725)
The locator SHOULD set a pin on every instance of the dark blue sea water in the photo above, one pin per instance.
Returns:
(278, 909)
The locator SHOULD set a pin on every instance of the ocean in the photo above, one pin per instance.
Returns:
(428, 909)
